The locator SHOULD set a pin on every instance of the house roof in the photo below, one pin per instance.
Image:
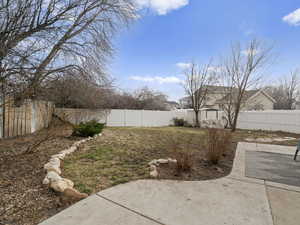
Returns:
(214, 88)
(247, 95)
(223, 89)
(172, 102)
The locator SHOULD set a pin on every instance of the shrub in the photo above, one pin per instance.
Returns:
(218, 142)
(184, 160)
(187, 124)
(178, 122)
(88, 129)
(180, 149)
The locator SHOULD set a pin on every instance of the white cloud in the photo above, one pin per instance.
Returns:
(157, 79)
(246, 52)
(162, 7)
(215, 69)
(293, 18)
(183, 66)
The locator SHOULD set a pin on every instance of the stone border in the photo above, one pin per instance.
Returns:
(53, 169)
(156, 162)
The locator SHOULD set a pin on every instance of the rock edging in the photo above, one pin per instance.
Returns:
(155, 163)
(53, 169)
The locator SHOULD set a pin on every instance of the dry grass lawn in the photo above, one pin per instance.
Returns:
(123, 154)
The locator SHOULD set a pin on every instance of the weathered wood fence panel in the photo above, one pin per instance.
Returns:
(30, 116)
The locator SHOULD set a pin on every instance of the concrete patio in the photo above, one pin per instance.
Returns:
(233, 200)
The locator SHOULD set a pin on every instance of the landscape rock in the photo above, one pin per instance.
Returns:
(52, 177)
(152, 167)
(74, 194)
(162, 161)
(46, 181)
(61, 185)
(153, 162)
(69, 182)
(53, 165)
(60, 156)
(154, 174)
(172, 160)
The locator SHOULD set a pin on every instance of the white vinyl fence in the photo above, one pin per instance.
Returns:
(274, 120)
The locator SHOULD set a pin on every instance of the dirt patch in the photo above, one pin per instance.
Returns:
(24, 200)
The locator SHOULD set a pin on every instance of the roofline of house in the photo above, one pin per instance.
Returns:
(263, 92)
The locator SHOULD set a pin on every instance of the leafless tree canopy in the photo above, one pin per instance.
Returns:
(39, 39)
(143, 98)
(241, 70)
(198, 78)
(287, 91)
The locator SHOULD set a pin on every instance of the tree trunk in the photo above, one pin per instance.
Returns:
(197, 118)
(236, 115)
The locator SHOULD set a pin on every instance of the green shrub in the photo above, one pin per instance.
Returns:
(178, 122)
(88, 129)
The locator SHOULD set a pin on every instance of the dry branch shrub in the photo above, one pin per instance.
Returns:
(218, 142)
(182, 150)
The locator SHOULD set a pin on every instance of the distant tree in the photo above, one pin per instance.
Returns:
(150, 99)
(75, 91)
(197, 80)
(287, 91)
(143, 98)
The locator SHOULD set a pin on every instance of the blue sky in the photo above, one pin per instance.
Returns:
(170, 33)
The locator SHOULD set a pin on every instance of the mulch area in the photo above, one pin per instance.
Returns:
(24, 200)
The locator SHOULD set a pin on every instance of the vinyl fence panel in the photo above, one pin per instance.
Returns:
(274, 120)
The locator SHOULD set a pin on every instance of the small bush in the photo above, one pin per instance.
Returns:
(180, 149)
(184, 160)
(218, 142)
(187, 124)
(178, 122)
(88, 129)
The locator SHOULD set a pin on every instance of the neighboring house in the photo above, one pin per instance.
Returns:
(185, 103)
(172, 105)
(218, 95)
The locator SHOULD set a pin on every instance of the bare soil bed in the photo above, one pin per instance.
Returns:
(23, 199)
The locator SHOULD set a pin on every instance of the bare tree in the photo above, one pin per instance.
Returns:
(149, 99)
(196, 85)
(143, 98)
(42, 38)
(290, 86)
(286, 91)
(240, 72)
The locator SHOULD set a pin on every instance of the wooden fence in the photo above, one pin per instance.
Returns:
(26, 118)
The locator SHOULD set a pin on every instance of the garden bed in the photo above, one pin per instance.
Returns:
(123, 154)
(24, 200)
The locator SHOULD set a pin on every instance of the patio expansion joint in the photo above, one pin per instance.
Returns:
(243, 180)
(131, 210)
(269, 202)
